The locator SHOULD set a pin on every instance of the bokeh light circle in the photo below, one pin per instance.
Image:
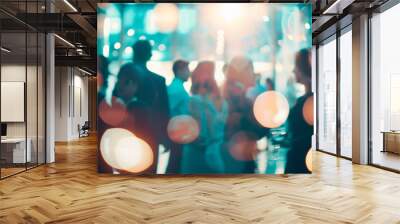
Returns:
(183, 129)
(309, 160)
(243, 147)
(100, 81)
(122, 150)
(135, 155)
(271, 109)
(108, 144)
(113, 114)
(166, 17)
(308, 110)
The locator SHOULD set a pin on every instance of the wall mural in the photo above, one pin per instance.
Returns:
(204, 88)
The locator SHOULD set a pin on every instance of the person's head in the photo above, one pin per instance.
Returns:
(142, 51)
(302, 68)
(203, 80)
(239, 77)
(128, 82)
(181, 70)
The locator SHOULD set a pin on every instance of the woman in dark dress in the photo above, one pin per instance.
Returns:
(300, 131)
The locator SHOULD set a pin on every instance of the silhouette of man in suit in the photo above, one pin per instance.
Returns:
(153, 91)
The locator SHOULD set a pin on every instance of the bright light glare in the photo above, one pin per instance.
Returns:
(161, 47)
(219, 74)
(106, 51)
(262, 144)
(192, 65)
(128, 50)
(106, 27)
(129, 155)
(166, 17)
(117, 45)
(115, 25)
(5, 50)
(271, 109)
(131, 32)
(220, 42)
(122, 150)
(70, 5)
(230, 11)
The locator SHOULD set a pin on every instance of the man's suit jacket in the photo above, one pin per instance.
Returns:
(153, 91)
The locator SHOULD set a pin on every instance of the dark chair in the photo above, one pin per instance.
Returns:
(84, 130)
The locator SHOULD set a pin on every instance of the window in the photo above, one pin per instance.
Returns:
(385, 89)
(327, 97)
(346, 94)
(22, 77)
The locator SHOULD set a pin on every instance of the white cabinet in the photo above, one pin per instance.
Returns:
(17, 145)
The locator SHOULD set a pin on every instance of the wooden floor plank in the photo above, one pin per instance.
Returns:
(71, 191)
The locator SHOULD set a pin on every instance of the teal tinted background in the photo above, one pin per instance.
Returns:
(268, 34)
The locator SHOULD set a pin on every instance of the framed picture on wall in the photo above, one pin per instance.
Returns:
(12, 101)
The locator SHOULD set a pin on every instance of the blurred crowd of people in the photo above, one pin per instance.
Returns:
(225, 129)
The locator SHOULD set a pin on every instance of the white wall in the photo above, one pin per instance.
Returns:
(61, 103)
(71, 94)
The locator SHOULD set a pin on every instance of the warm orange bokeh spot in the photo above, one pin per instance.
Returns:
(308, 110)
(122, 150)
(271, 109)
(99, 81)
(135, 148)
(243, 147)
(166, 17)
(309, 160)
(183, 129)
(113, 114)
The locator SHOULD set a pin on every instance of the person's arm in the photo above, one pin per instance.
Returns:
(164, 114)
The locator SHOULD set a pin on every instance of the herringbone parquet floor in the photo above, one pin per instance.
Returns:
(70, 191)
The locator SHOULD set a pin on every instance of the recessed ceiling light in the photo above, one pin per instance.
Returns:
(64, 40)
(70, 5)
(5, 49)
(84, 71)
